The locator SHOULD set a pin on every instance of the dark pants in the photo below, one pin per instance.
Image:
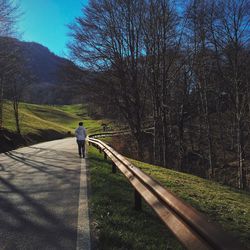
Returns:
(81, 147)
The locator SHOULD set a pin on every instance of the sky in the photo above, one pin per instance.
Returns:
(45, 22)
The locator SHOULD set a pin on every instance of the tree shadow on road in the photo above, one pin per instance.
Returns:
(39, 203)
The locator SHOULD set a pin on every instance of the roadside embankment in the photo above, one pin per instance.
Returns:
(11, 140)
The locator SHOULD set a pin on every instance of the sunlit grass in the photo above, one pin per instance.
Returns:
(36, 118)
(119, 227)
(115, 222)
(227, 206)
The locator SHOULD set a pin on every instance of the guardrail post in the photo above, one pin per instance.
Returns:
(137, 200)
(105, 156)
(113, 168)
(100, 151)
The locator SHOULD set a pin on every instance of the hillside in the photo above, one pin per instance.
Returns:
(43, 122)
(46, 68)
(43, 63)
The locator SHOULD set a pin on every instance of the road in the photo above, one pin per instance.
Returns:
(43, 198)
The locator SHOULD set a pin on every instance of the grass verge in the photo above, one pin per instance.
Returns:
(118, 226)
(227, 206)
(115, 223)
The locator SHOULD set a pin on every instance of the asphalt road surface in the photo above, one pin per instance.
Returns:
(43, 198)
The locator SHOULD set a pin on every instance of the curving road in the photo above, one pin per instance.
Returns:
(43, 198)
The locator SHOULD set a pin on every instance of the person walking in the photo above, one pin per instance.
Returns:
(80, 139)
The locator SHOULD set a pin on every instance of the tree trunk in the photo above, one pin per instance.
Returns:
(16, 113)
(240, 158)
(210, 148)
(238, 137)
(164, 140)
(222, 131)
(139, 140)
(1, 103)
(157, 134)
(181, 139)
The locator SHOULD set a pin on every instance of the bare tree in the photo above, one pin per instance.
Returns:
(162, 51)
(8, 17)
(109, 38)
(230, 34)
(19, 80)
(198, 14)
(9, 14)
(193, 86)
(16, 75)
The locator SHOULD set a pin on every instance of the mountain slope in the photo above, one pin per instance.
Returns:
(43, 63)
(47, 69)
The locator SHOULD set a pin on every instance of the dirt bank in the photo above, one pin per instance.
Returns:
(10, 140)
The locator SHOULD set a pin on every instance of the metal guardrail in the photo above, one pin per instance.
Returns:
(190, 227)
(115, 133)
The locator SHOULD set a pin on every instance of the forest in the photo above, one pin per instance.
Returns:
(179, 67)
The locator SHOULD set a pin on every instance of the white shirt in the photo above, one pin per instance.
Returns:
(80, 133)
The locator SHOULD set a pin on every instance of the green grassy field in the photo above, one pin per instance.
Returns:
(37, 118)
(118, 226)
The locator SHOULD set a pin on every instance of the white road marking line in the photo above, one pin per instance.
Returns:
(83, 230)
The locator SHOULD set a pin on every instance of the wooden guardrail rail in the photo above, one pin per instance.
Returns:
(191, 228)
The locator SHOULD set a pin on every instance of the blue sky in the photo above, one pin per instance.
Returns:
(45, 22)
